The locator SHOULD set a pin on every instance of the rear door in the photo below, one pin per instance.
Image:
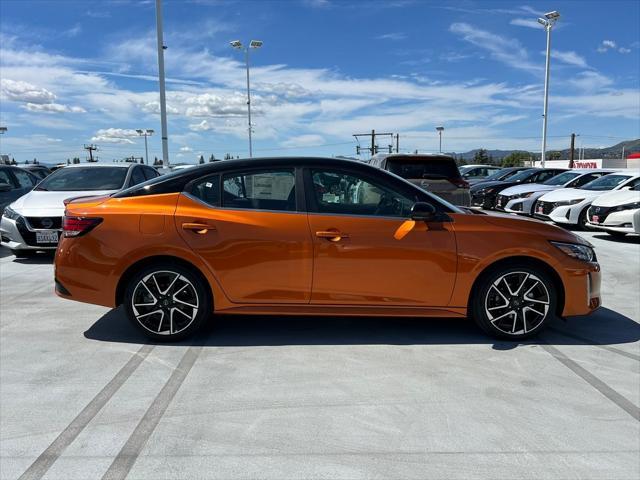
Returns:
(250, 227)
(366, 251)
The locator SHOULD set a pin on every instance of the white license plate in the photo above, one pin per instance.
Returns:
(47, 236)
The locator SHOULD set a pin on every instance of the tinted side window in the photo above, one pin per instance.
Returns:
(24, 179)
(137, 176)
(150, 173)
(5, 178)
(348, 194)
(542, 176)
(207, 189)
(583, 180)
(262, 190)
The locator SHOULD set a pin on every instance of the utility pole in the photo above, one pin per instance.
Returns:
(397, 143)
(373, 149)
(91, 148)
(163, 101)
(572, 149)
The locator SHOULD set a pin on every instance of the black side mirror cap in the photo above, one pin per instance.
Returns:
(423, 211)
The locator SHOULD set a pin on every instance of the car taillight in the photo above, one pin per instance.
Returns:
(76, 226)
(460, 182)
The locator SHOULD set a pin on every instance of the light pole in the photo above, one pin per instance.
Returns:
(238, 45)
(145, 133)
(440, 130)
(163, 101)
(547, 22)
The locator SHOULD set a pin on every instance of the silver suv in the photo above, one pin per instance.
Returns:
(435, 173)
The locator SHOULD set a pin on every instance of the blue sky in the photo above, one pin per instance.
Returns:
(77, 72)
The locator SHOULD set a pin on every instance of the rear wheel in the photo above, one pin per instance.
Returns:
(514, 302)
(582, 219)
(167, 302)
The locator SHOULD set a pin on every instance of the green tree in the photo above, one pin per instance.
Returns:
(481, 157)
(201, 161)
(554, 155)
(515, 159)
(212, 158)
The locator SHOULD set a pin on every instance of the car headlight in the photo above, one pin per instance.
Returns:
(569, 202)
(577, 251)
(628, 206)
(521, 195)
(10, 213)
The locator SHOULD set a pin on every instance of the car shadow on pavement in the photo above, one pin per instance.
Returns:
(38, 259)
(603, 327)
(626, 239)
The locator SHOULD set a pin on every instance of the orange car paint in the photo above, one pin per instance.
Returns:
(286, 263)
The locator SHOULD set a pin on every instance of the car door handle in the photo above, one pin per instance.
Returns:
(196, 227)
(332, 235)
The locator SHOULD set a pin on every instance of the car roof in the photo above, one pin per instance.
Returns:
(98, 165)
(413, 155)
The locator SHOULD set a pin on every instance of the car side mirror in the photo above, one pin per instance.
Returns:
(5, 187)
(423, 211)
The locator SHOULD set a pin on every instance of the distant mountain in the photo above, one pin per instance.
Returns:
(615, 151)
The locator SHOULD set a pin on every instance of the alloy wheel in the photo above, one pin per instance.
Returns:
(165, 302)
(517, 303)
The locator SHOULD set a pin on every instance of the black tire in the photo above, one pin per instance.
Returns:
(533, 305)
(24, 253)
(582, 219)
(169, 289)
(616, 234)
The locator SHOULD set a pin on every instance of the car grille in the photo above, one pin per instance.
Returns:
(48, 223)
(30, 237)
(501, 202)
(601, 212)
(547, 207)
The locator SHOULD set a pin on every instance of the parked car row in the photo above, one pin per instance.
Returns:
(567, 197)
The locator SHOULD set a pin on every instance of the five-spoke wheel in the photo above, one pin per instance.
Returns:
(514, 302)
(167, 303)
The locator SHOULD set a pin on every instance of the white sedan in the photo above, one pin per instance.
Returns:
(34, 221)
(521, 199)
(569, 205)
(614, 212)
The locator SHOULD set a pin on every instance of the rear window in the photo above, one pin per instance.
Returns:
(431, 167)
(84, 178)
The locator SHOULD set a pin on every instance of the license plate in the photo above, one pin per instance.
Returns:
(595, 219)
(47, 237)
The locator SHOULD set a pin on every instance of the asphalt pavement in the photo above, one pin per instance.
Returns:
(83, 395)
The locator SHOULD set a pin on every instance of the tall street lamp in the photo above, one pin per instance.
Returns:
(440, 130)
(547, 22)
(145, 133)
(238, 45)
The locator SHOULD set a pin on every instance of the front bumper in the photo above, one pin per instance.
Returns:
(486, 201)
(565, 214)
(21, 235)
(615, 221)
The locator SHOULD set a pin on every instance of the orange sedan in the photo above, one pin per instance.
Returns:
(313, 236)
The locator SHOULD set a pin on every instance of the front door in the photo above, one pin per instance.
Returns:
(366, 251)
(248, 228)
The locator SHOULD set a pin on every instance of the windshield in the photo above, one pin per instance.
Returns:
(562, 178)
(84, 179)
(423, 168)
(465, 168)
(521, 175)
(608, 182)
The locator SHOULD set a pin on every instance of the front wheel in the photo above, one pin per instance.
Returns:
(167, 302)
(514, 302)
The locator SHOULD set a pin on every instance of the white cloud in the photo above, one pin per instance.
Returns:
(506, 50)
(395, 36)
(114, 135)
(606, 45)
(569, 57)
(19, 91)
(53, 108)
(186, 149)
(590, 81)
(525, 22)
(624, 50)
(303, 141)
